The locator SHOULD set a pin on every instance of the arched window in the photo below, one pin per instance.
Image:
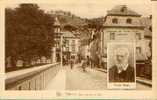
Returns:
(115, 20)
(129, 21)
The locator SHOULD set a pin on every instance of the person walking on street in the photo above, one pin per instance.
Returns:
(88, 61)
(71, 63)
(84, 64)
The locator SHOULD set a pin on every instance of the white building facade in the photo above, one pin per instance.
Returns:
(124, 25)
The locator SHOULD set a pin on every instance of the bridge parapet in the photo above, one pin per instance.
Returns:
(35, 78)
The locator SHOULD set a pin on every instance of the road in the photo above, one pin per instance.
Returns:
(76, 79)
(93, 79)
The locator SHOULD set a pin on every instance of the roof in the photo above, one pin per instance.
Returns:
(122, 10)
(68, 34)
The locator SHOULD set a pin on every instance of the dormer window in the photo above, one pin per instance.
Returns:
(129, 21)
(123, 9)
(115, 20)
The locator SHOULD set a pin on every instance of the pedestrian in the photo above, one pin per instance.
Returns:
(92, 63)
(84, 64)
(88, 61)
(64, 61)
(71, 63)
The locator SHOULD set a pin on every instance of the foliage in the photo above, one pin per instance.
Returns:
(29, 33)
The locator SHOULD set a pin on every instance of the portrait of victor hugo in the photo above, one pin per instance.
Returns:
(121, 64)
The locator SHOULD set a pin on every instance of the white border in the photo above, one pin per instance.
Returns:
(109, 94)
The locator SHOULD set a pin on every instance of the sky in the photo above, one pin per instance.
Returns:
(93, 8)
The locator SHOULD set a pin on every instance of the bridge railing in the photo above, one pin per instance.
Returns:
(35, 78)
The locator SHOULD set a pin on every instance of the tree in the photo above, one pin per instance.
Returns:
(29, 33)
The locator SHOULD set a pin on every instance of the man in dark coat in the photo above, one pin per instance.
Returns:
(123, 76)
(121, 71)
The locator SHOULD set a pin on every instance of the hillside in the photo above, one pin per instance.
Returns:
(66, 18)
(82, 25)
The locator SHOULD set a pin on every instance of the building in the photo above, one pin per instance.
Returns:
(124, 25)
(57, 38)
(70, 45)
(70, 42)
(85, 44)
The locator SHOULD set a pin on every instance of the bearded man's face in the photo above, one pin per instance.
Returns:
(121, 59)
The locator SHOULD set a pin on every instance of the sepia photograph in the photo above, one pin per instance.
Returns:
(59, 47)
(76, 49)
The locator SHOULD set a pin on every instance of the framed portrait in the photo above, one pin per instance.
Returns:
(121, 66)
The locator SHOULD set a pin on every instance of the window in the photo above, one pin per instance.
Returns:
(29, 85)
(138, 36)
(57, 30)
(138, 49)
(112, 36)
(73, 45)
(94, 37)
(150, 28)
(20, 88)
(129, 21)
(115, 20)
(67, 48)
(73, 49)
(67, 43)
(73, 42)
(123, 9)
